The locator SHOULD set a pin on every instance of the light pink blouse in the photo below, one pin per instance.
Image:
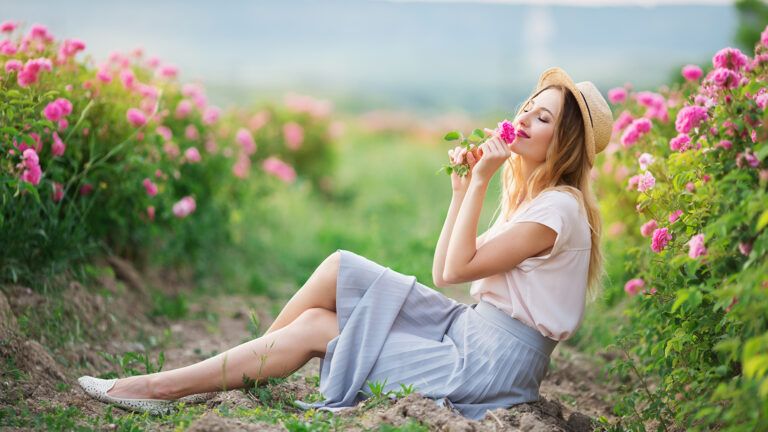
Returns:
(547, 292)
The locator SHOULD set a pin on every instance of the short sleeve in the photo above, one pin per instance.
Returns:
(549, 211)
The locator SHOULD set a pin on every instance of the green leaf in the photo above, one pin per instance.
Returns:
(762, 221)
(31, 189)
(756, 367)
(452, 136)
(761, 151)
(682, 296)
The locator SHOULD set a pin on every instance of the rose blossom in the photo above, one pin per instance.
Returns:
(661, 238)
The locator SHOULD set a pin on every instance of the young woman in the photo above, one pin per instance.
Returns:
(530, 273)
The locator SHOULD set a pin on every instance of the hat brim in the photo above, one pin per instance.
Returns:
(557, 76)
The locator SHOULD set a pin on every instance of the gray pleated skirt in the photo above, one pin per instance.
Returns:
(471, 358)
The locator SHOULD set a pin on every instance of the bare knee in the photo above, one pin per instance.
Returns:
(319, 326)
(334, 261)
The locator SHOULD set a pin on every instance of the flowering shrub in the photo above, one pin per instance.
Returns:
(697, 337)
(113, 155)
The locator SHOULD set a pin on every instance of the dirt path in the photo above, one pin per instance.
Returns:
(573, 394)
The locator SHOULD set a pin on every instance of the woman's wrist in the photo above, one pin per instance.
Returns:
(478, 182)
(458, 195)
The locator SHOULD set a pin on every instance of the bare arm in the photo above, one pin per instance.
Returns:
(445, 236)
(463, 246)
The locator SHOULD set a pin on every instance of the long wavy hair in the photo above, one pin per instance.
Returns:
(567, 169)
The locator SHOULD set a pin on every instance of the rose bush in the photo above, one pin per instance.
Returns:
(123, 156)
(686, 178)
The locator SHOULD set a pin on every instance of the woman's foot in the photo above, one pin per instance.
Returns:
(98, 388)
(136, 387)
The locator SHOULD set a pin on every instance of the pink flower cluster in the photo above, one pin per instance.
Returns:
(635, 131)
(655, 104)
(150, 187)
(31, 167)
(636, 286)
(633, 286)
(293, 134)
(279, 168)
(747, 158)
(761, 98)
(675, 215)
(69, 48)
(317, 108)
(624, 120)
(57, 109)
(245, 139)
(58, 147)
(643, 182)
(660, 238)
(645, 160)
(184, 207)
(30, 72)
(647, 228)
(617, 95)
(691, 72)
(681, 143)
(696, 246)
(690, 117)
(136, 117)
(730, 58)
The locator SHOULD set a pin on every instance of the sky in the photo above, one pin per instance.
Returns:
(586, 3)
(425, 55)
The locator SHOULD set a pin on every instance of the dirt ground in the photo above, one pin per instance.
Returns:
(573, 395)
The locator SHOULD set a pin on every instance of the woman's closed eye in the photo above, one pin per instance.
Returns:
(540, 119)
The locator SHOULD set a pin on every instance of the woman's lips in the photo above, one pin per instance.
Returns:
(522, 133)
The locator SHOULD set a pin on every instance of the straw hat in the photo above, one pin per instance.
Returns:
(597, 115)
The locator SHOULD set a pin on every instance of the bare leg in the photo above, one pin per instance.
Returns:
(318, 292)
(277, 354)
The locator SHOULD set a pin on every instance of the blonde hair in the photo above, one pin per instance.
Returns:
(567, 169)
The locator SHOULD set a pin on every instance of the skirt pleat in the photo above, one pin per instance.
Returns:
(395, 330)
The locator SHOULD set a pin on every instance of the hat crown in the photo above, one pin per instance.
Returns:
(599, 112)
(596, 113)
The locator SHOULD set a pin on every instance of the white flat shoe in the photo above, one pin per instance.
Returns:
(98, 388)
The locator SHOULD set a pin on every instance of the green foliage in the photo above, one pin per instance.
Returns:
(129, 362)
(695, 343)
(753, 17)
(173, 306)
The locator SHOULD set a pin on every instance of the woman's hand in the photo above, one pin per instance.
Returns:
(494, 153)
(458, 155)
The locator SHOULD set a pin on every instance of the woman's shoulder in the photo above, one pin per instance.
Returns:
(561, 198)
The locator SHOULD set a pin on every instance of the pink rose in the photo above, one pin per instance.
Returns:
(674, 215)
(192, 155)
(648, 227)
(691, 72)
(633, 286)
(136, 117)
(184, 207)
(661, 237)
(696, 246)
(150, 187)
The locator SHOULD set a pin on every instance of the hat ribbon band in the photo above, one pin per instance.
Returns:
(588, 110)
